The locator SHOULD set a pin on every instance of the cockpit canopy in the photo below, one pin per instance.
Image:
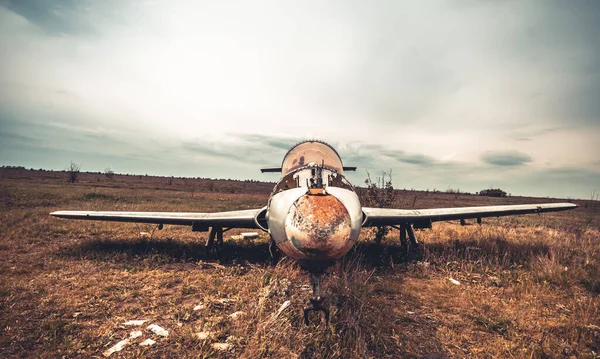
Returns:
(312, 175)
(311, 151)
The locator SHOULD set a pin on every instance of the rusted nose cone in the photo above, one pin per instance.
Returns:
(318, 226)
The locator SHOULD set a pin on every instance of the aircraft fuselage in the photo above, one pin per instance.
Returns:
(314, 215)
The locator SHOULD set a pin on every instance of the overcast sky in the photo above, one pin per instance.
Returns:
(463, 94)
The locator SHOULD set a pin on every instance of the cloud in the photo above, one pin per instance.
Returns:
(506, 158)
(282, 143)
(411, 158)
(188, 86)
(62, 17)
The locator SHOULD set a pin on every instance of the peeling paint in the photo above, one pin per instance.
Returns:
(319, 227)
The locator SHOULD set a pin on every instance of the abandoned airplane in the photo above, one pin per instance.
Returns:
(313, 214)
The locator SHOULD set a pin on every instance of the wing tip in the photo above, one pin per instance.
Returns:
(61, 214)
(569, 205)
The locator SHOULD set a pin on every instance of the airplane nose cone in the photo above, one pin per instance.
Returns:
(319, 226)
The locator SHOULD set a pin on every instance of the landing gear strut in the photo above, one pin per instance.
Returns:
(274, 252)
(316, 302)
(406, 229)
(210, 242)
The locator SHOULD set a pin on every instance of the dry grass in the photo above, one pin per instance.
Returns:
(529, 286)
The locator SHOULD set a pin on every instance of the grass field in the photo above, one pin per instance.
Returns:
(529, 286)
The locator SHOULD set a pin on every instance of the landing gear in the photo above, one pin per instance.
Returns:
(316, 302)
(381, 232)
(411, 235)
(274, 252)
(406, 229)
(212, 247)
(402, 236)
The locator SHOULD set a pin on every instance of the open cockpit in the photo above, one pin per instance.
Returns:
(313, 165)
(312, 176)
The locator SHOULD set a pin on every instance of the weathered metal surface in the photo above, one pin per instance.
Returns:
(387, 216)
(237, 219)
(288, 248)
(279, 206)
(321, 206)
(350, 200)
(261, 219)
(319, 227)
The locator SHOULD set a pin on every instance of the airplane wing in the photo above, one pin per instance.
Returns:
(198, 221)
(423, 217)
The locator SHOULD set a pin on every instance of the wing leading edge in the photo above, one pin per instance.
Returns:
(389, 216)
(233, 219)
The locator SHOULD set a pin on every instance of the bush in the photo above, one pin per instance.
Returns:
(492, 192)
(73, 172)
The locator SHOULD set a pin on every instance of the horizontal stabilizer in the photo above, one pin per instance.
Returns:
(272, 169)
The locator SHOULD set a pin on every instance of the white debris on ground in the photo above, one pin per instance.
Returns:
(245, 235)
(204, 335)
(116, 348)
(120, 345)
(222, 346)
(282, 308)
(210, 265)
(237, 314)
(453, 281)
(199, 307)
(158, 330)
(409, 312)
(249, 235)
(135, 322)
(147, 342)
(276, 315)
(137, 334)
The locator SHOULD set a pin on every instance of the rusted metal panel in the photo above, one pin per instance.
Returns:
(319, 226)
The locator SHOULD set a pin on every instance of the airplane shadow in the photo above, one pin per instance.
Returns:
(370, 255)
(131, 250)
